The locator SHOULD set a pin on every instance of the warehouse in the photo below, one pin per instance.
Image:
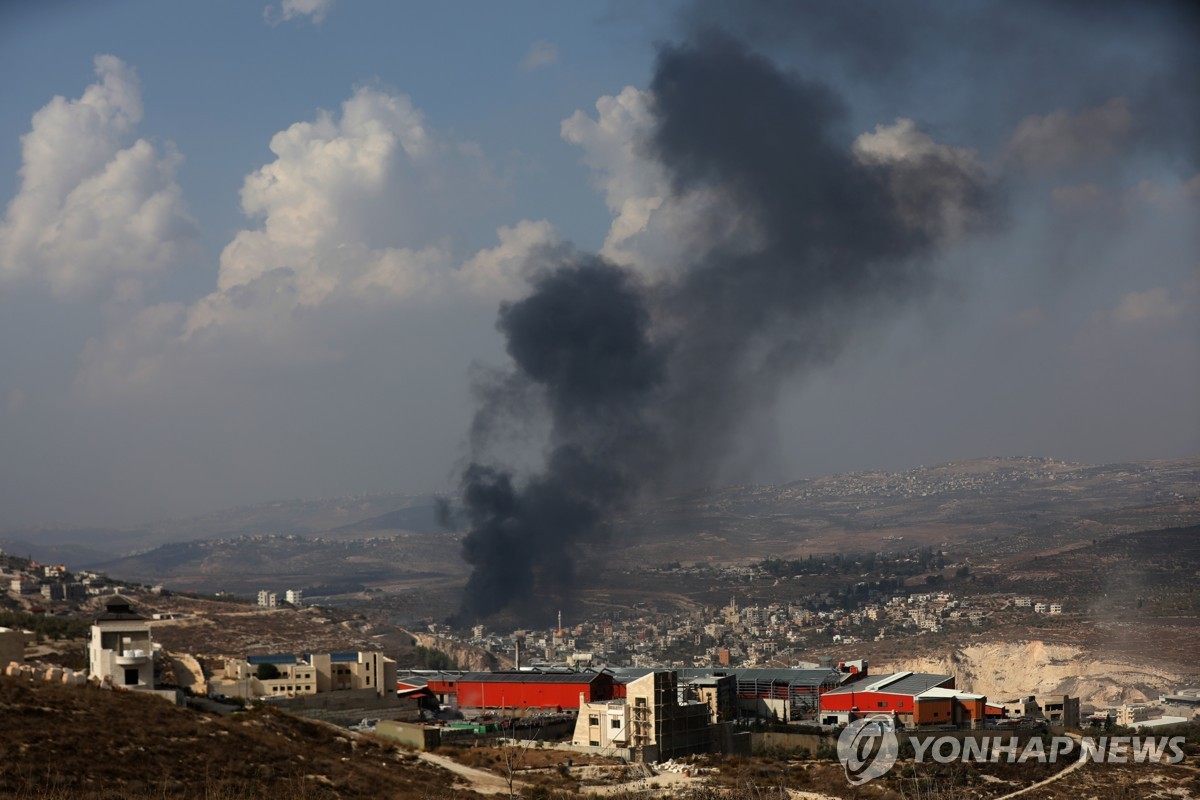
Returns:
(786, 694)
(911, 698)
(523, 690)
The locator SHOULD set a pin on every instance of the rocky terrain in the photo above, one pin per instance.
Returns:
(1009, 670)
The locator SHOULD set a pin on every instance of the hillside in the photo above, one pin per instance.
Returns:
(63, 742)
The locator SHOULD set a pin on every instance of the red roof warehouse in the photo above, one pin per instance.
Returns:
(914, 698)
(544, 690)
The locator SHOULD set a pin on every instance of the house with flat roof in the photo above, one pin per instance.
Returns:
(286, 675)
(120, 648)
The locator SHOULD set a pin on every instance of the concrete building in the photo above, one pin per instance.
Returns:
(786, 694)
(1060, 709)
(719, 693)
(1057, 709)
(650, 721)
(120, 648)
(294, 597)
(267, 599)
(308, 674)
(1130, 715)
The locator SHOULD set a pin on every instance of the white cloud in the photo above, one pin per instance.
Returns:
(92, 215)
(1062, 139)
(653, 229)
(341, 237)
(314, 196)
(499, 271)
(315, 10)
(540, 54)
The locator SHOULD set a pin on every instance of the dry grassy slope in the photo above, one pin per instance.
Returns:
(80, 742)
(1006, 670)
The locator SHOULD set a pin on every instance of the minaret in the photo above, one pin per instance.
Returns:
(560, 630)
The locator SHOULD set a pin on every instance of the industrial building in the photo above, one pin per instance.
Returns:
(519, 691)
(784, 694)
(911, 698)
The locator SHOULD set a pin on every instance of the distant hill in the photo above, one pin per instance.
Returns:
(93, 546)
(418, 519)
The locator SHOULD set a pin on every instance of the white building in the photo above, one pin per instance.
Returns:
(120, 650)
(268, 599)
(294, 597)
(291, 675)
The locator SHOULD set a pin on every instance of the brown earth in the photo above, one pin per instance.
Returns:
(83, 742)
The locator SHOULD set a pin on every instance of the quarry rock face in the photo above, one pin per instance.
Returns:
(1005, 670)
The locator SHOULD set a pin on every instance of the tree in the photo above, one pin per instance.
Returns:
(266, 672)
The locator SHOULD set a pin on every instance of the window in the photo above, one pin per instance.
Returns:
(594, 744)
(593, 719)
(881, 704)
(616, 722)
(131, 676)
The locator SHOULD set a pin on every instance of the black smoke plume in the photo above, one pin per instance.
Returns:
(647, 385)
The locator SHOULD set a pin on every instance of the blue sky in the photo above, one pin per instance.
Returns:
(262, 258)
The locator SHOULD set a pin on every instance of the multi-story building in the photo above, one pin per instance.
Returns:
(650, 721)
(294, 597)
(120, 648)
(1060, 709)
(267, 599)
(289, 675)
(1128, 715)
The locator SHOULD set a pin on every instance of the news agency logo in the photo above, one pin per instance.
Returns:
(868, 748)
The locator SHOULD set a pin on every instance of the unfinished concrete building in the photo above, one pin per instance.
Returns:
(650, 722)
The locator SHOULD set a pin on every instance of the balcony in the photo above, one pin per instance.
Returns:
(132, 658)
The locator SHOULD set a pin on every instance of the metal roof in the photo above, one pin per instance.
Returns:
(803, 677)
(272, 658)
(529, 677)
(343, 657)
(116, 608)
(910, 683)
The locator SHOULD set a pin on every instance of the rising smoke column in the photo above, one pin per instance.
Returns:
(648, 386)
